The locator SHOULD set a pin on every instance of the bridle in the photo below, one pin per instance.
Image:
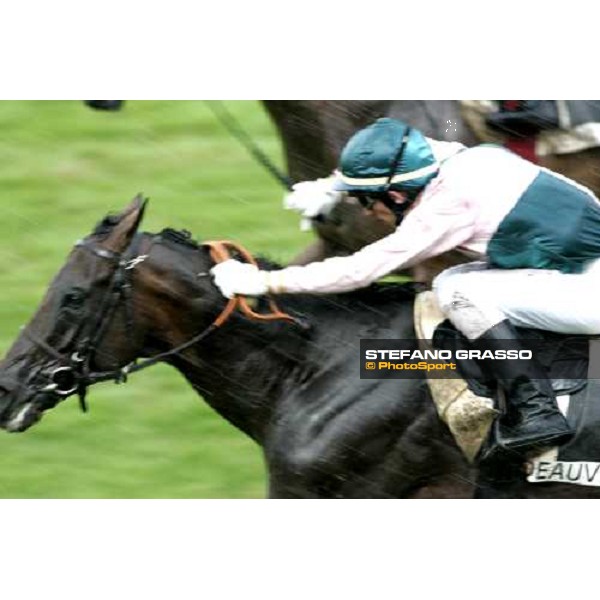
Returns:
(75, 374)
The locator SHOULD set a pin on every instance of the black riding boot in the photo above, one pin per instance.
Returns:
(532, 417)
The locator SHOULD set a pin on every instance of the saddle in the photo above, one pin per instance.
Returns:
(524, 118)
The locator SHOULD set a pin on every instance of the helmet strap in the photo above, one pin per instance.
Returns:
(399, 210)
(397, 159)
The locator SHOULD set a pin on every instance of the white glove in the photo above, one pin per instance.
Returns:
(234, 277)
(312, 198)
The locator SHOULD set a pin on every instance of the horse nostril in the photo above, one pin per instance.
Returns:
(6, 388)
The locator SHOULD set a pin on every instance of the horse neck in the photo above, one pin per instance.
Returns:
(241, 369)
(438, 119)
(245, 369)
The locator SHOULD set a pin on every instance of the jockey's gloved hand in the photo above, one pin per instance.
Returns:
(234, 277)
(312, 198)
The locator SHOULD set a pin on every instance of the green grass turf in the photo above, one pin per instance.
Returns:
(62, 167)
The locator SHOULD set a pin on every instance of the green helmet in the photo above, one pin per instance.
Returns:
(387, 155)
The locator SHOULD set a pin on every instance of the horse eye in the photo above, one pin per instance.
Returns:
(74, 298)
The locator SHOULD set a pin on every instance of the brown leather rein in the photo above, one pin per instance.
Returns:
(220, 252)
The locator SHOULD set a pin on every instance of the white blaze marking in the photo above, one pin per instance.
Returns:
(18, 419)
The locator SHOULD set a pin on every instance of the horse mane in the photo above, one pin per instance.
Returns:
(176, 237)
(375, 296)
(179, 237)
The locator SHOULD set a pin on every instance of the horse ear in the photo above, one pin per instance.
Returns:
(127, 223)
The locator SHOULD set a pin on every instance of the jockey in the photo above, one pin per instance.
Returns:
(537, 235)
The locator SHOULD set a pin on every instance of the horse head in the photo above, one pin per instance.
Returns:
(108, 305)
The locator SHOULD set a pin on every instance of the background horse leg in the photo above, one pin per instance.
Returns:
(349, 227)
(346, 229)
(316, 252)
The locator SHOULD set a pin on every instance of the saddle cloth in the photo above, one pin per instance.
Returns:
(468, 409)
(468, 415)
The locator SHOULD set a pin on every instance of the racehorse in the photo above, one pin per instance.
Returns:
(291, 384)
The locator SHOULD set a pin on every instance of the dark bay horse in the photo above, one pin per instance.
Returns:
(295, 390)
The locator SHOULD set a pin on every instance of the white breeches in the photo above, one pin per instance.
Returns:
(475, 298)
